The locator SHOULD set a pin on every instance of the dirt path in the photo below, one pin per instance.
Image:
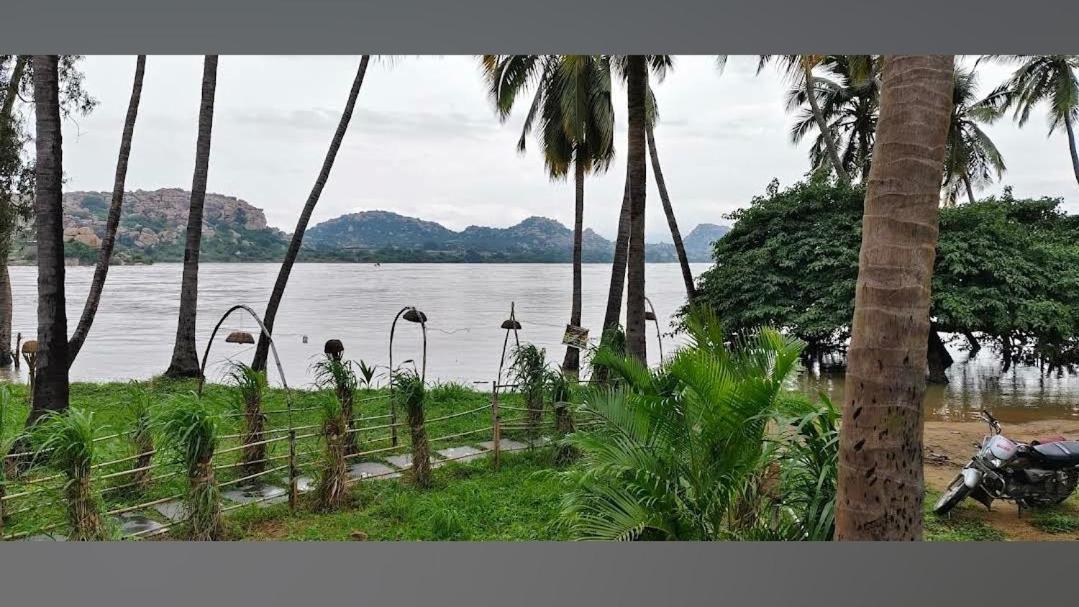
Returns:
(949, 445)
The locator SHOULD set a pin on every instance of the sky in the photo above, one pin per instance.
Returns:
(425, 141)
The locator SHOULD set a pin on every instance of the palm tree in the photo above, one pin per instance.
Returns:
(799, 68)
(880, 452)
(972, 158)
(185, 360)
(668, 210)
(572, 100)
(113, 221)
(293, 251)
(1049, 78)
(847, 99)
(51, 376)
(12, 185)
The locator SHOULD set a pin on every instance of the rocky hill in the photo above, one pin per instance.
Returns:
(699, 241)
(382, 235)
(153, 226)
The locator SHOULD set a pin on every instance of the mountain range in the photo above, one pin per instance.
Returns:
(153, 224)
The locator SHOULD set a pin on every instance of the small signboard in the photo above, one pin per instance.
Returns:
(575, 337)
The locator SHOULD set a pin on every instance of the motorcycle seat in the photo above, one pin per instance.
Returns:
(1061, 453)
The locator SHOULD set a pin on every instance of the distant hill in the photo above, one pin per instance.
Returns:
(154, 223)
(386, 236)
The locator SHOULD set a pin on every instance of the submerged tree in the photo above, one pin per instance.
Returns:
(880, 450)
(185, 360)
(572, 104)
(263, 349)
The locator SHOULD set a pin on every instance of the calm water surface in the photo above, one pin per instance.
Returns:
(133, 334)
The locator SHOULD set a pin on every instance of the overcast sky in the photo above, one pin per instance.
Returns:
(424, 141)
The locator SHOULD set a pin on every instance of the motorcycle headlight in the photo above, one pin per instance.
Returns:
(996, 463)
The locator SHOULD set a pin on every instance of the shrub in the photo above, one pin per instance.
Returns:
(333, 478)
(531, 373)
(66, 441)
(409, 391)
(338, 375)
(142, 437)
(251, 385)
(191, 429)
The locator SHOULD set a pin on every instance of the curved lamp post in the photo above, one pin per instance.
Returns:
(510, 324)
(243, 337)
(650, 314)
(411, 314)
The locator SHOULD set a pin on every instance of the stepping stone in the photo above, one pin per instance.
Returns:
(246, 494)
(461, 454)
(45, 537)
(363, 470)
(172, 510)
(504, 444)
(402, 461)
(132, 523)
(305, 483)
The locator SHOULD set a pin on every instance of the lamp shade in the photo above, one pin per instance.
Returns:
(240, 337)
(511, 324)
(414, 315)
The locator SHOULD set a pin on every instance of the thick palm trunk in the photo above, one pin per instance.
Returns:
(1070, 128)
(822, 125)
(636, 90)
(571, 364)
(278, 292)
(185, 360)
(880, 450)
(668, 210)
(6, 354)
(51, 378)
(104, 256)
(618, 265)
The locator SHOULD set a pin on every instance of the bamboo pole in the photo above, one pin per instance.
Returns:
(496, 427)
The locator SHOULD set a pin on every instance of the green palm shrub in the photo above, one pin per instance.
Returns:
(191, 429)
(531, 373)
(809, 458)
(681, 451)
(142, 437)
(339, 376)
(409, 389)
(66, 441)
(250, 385)
(332, 489)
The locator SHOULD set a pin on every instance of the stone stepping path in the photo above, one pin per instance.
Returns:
(462, 454)
(363, 470)
(504, 444)
(133, 522)
(265, 495)
(172, 510)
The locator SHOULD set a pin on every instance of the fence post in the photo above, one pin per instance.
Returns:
(496, 425)
(292, 470)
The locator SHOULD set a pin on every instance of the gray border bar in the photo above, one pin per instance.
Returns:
(565, 26)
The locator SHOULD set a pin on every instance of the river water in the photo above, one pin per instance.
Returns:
(135, 326)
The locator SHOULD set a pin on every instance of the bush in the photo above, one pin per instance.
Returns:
(250, 385)
(409, 390)
(333, 478)
(191, 431)
(66, 441)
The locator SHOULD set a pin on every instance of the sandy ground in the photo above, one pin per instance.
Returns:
(949, 446)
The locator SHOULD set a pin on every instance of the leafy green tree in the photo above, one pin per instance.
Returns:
(1051, 79)
(1006, 270)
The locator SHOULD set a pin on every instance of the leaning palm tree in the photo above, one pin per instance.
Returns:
(880, 485)
(635, 70)
(185, 360)
(799, 68)
(104, 256)
(847, 91)
(51, 375)
(263, 348)
(972, 158)
(1052, 79)
(572, 103)
(15, 185)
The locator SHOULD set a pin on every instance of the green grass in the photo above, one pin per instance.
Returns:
(957, 526)
(1059, 519)
(467, 502)
(110, 403)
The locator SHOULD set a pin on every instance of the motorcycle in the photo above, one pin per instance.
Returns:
(1033, 475)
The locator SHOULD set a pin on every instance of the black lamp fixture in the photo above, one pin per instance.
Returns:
(650, 314)
(510, 324)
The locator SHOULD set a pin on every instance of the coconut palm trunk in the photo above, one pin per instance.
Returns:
(636, 91)
(822, 124)
(571, 364)
(278, 292)
(970, 190)
(1070, 128)
(104, 256)
(668, 210)
(880, 451)
(51, 376)
(618, 265)
(185, 360)
(6, 354)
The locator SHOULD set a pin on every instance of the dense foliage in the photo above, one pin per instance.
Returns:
(1006, 271)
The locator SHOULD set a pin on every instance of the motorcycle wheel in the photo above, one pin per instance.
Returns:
(955, 493)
